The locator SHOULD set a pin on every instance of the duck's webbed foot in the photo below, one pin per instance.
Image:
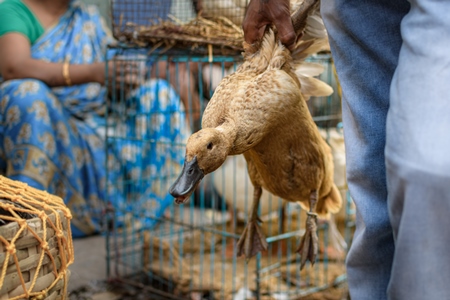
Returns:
(252, 240)
(309, 245)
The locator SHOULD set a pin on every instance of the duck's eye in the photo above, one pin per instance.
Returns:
(210, 146)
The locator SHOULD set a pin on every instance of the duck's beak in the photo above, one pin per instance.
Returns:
(190, 177)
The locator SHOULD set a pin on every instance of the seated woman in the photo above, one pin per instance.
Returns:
(52, 111)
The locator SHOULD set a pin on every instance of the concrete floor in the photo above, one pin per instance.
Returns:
(90, 262)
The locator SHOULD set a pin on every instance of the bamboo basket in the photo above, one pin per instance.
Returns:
(35, 243)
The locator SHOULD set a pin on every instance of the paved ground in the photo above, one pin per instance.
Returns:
(90, 262)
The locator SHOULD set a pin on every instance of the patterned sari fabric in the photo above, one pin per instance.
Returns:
(54, 138)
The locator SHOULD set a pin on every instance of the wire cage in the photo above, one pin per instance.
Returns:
(189, 251)
(191, 23)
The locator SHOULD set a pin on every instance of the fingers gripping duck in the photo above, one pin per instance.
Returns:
(260, 111)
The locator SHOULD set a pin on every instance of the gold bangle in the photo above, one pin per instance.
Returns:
(66, 75)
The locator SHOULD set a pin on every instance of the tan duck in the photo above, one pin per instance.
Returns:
(259, 111)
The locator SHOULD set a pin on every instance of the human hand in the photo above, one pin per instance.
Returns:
(121, 73)
(125, 74)
(261, 13)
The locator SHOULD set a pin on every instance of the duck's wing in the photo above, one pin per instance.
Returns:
(217, 110)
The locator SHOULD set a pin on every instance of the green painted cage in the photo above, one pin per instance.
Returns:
(167, 251)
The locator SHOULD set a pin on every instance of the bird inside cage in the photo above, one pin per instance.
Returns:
(234, 10)
(183, 10)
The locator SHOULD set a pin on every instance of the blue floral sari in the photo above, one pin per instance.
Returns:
(54, 138)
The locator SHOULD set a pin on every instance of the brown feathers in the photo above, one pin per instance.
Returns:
(260, 111)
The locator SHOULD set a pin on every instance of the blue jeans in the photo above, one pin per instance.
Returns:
(393, 62)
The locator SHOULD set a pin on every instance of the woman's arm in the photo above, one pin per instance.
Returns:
(16, 63)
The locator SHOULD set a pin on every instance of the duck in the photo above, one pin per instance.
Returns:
(259, 111)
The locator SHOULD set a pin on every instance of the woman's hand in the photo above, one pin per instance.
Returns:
(261, 13)
(122, 74)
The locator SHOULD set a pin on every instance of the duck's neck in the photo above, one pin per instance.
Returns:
(228, 129)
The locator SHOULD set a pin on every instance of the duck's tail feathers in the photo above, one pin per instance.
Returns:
(313, 37)
(310, 86)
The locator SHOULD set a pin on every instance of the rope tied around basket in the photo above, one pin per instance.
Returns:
(11, 249)
(44, 246)
(33, 223)
(22, 222)
(60, 234)
(16, 198)
(42, 215)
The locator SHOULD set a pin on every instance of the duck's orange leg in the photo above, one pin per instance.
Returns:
(309, 245)
(252, 240)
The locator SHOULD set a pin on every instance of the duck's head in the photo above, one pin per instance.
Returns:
(206, 151)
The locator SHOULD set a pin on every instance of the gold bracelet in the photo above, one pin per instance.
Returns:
(66, 75)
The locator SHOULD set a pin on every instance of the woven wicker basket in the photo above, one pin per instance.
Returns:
(35, 243)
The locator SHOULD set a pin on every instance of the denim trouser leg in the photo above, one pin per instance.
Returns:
(365, 42)
(418, 155)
